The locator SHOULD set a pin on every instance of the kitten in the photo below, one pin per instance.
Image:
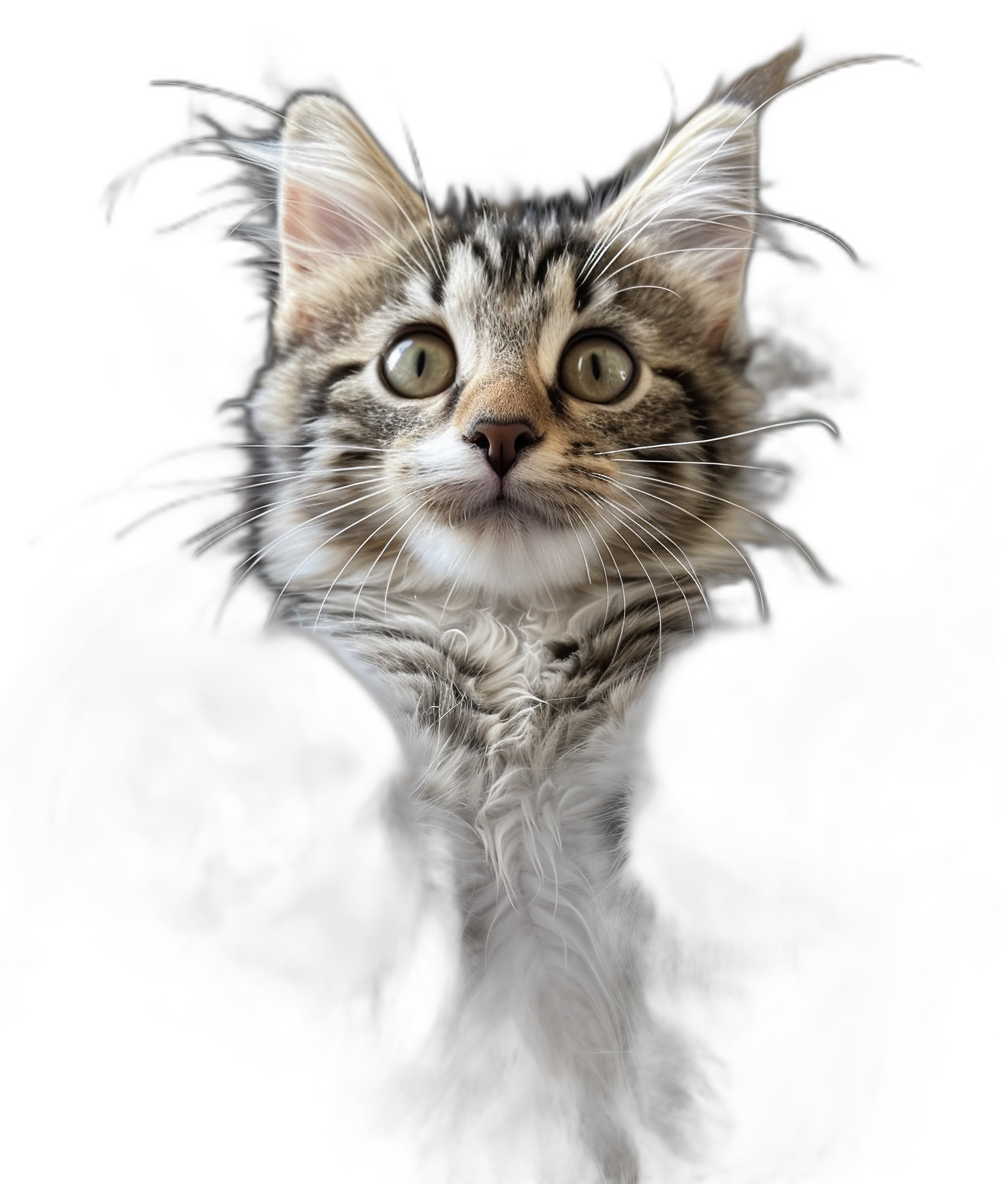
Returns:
(244, 911)
(499, 454)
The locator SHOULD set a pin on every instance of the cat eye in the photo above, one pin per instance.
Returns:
(421, 363)
(597, 369)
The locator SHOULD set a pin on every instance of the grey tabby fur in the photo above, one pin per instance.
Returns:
(510, 623)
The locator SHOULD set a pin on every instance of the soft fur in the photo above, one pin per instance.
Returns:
(510, 624)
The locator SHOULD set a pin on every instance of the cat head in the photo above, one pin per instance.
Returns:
(516, 401)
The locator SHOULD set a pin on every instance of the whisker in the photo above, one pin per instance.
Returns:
(605, 573)
(253, 560)
(619, 576)
(642, 565)
(679, 555)
(764, 427)
(405, 543)
(397, 503)
(738, 506)
(455, 584)
(215, 90)
(241, 446)
(703, 522)
(642, 227)
(442, 270)
(314, 551)
(722, 223)
(707, 464)
(807, 225)
(577, 539)
(657, 287)
(190, 499)
(674, 251)
(215, 534)
(377, 558)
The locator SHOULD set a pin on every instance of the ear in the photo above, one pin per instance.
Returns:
(340, 197)
(694, 207)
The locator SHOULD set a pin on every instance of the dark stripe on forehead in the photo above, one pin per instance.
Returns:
(575, 251)
(551, 255)
(512, 255)
(480, 253)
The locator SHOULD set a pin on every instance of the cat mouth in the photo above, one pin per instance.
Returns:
(504, 509)
(501, 511)
(497, 505)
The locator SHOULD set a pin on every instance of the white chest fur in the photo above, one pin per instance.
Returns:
(519, 792)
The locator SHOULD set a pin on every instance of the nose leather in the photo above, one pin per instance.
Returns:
(501, 442)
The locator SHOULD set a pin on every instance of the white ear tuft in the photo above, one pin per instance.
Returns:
(340, 196)
(694, 207)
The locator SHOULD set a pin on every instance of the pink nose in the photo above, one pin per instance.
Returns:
(501, 442)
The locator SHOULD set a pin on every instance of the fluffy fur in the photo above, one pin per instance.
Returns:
(510, 623)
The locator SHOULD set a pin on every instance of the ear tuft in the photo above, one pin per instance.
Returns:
(341, 197)
(693, 208)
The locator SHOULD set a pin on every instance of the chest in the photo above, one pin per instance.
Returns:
(496, 710)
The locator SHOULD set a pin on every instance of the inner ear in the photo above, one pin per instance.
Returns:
(340, 196)
(691, 211)
(693, 205)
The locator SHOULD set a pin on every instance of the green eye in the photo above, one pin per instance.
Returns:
(596, 369)
(419, 364)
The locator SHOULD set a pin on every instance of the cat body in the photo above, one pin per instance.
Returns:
(502, 856)
(498, 454)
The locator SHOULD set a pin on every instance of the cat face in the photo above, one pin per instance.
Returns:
(516, 401)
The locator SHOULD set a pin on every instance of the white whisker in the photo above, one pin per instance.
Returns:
(724, 538)
(703, 464)
(738, 506)
(224, 490)
(619, 576)
(214, 534)
(677, 251)
(765, 427)
(679, 555)
(577, 539)
(440, 270)
(257, 556)
(405, 543)
(643, 566)
(396, 503)
(455, 583)
(656, 287)
(377, 558)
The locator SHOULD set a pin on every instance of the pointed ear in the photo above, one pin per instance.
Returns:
(694, 207)
(340, 197)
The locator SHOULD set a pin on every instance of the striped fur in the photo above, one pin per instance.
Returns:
(511, 624)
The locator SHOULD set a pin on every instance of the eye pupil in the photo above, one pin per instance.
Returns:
(420, 363)
(596, 368)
